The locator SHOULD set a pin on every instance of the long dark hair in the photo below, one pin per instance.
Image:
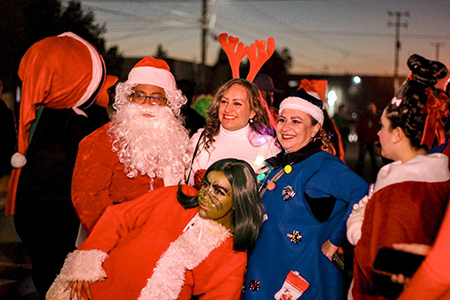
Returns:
(263, 122)
(248, 214)
(406, 110)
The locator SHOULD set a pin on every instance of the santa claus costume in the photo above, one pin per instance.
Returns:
(133, 154)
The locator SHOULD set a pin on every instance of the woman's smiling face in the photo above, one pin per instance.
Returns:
(234, 108)
(215, 198)
(295, 129)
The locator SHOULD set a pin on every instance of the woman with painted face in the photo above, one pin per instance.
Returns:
(239, 125)
(410, 195)
(307, 195)
(172, 243)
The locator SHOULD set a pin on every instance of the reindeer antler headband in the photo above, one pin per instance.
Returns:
(257, 54)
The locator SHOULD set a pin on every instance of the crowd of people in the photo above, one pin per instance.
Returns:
(253, 202)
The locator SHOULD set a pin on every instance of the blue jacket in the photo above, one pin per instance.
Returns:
(319, 182)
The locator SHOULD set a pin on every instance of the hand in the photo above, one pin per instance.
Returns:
(328, 249)
(400, 278)
(411, 248)
(420, 249)
(76, 288)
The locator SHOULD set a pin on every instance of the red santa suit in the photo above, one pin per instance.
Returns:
(99, 179)
(407, 206)
(153, 248)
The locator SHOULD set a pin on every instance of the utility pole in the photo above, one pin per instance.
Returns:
(204, 30)
(437, 46)
(397, 24)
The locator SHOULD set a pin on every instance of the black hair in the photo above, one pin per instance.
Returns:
(406, 109)
(248, 213)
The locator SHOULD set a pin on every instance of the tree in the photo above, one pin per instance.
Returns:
(24, 22)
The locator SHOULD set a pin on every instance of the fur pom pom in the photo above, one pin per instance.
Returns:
(18, 160)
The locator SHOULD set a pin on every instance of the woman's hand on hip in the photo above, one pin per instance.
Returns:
(328, 249)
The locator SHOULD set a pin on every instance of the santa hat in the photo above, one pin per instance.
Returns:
(305, 102)
(315, 87)
(103, 98)
(58, 72)
(153, 71)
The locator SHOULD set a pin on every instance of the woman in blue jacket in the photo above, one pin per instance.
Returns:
(308, 195)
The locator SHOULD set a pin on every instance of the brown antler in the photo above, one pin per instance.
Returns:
(235, 57)
(257, 60)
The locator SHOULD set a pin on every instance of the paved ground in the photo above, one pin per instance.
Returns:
(15, 269)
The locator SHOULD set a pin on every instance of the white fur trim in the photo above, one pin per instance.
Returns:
(18, 160)
(80, 265)
(185, 253)
(429, 168)
(303, 105)
(97, 69)
(153, 76)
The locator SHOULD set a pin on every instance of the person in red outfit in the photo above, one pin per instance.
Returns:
(143, 148)
(410, 195)
(172, 243)
(432, 280)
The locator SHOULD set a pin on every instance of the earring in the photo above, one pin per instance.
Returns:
(250, 121)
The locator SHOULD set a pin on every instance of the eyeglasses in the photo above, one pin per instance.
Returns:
(154, 100)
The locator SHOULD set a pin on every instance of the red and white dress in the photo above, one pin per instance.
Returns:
(153, 248)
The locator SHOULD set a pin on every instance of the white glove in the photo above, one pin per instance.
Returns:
(356, 218)
(293, 287)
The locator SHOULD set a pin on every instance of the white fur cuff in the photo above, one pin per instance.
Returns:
(84, 266)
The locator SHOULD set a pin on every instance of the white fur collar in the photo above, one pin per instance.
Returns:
(429, 168)
(185, 253)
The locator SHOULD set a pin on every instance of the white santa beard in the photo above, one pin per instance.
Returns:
(149, 144)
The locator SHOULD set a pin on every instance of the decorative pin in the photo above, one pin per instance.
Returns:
(254, 285)
(288, 193)
(261, 176)
(288, 169)
(271, 186)
(295, 237)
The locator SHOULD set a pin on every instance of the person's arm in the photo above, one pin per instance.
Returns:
(85, 265)
(336, 179)
(434, 271)
(92, 177)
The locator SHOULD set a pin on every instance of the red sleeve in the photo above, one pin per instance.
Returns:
(92, 177)
(432, 279)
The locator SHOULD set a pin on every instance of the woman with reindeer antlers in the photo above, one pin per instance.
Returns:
(239, 123)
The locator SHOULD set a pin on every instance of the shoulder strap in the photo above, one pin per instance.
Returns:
(193, 156)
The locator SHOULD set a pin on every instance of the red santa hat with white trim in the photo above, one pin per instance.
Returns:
(58, 72)
(156, 72)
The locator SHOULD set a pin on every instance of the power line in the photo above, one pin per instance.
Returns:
(437, 45)
(397, 24)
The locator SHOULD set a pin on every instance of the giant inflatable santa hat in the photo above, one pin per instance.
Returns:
(58, 72)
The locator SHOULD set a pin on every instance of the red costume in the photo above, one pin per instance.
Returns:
(407, 206)
(131, 244)
(432, 279)
(99, 179)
